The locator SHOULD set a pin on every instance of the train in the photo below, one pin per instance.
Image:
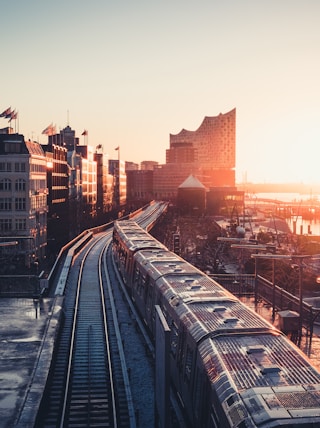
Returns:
(229, 366)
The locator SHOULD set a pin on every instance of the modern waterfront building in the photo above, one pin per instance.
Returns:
(208, 153)
(23, 201)
(212, 145)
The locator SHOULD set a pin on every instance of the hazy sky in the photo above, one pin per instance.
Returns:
(132, 72)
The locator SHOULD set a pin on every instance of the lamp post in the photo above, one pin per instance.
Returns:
(253, 247)
(300, 260)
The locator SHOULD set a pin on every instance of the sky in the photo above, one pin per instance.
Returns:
(132, 72)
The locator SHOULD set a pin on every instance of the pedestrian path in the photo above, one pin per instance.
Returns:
(25, 356)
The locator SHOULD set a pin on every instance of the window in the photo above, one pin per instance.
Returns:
(21, 224)
(5, 204)
(20, 204)
(19, 167)
(188, 365)
(20, 185)
(5, 224)
(12, 147)
(5, 184)
(5, 166)
(174, 337)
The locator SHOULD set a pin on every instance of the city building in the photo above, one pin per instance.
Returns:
(191, 196)
(23, 201)
(168, 177)
(148, 165)
(104, 185)
(214, 142)
(208, 153)
(181, 153)
(82, 188)
(82, 173)
(131, 166)
(66, 137)
(225, 201)
(117, 170)
(139, 186)
(58, 196)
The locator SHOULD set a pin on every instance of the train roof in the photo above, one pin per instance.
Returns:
(134, 237)
(212, 312)
(149, 255)
(136, 242)
(174, 273)
(161, 261)
(127, 225)
(225, 315)
(266, 372)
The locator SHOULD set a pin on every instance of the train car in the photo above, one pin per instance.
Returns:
(228, 366)
(195, 307)
(254, 380)
(148, 266)
(128, 237)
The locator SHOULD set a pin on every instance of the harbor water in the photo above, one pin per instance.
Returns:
(296, 223)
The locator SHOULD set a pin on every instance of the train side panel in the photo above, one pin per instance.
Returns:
(229, 366)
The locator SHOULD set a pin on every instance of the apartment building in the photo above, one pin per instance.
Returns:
(23, 201)
(58, 195)
(117, 170)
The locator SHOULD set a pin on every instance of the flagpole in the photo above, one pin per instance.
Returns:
(85, 137)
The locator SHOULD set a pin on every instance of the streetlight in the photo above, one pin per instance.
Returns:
(257, 247)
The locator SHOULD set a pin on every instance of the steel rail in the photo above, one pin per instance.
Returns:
(73, 333)
(132, 419)
(104, 315)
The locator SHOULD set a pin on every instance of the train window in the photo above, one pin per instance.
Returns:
(197, 393)
(149, 292)
(140, 285)
(145, 283)
(135, 277)
(188, 364)
(174, 339)
(125, 260)
(137, 282)
(181, 350)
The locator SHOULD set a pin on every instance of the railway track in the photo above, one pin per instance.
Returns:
(89, 382)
